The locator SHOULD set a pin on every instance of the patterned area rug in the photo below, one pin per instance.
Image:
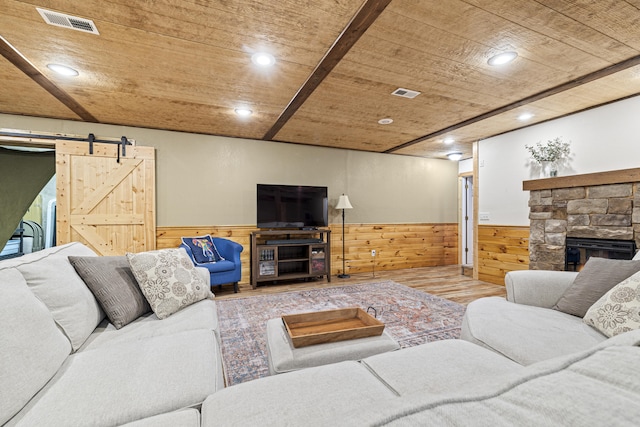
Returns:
(410, 316)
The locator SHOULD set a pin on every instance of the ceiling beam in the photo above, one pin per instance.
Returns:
(19, 61)
(359, 24)
(620, 66)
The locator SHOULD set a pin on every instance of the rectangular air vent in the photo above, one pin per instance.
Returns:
(67, 21)
(405, 93)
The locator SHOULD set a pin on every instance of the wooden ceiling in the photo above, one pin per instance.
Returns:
(185, 65)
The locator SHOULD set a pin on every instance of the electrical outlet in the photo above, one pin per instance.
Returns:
(373, 252)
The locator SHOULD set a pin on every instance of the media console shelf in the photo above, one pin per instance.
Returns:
(290, 254)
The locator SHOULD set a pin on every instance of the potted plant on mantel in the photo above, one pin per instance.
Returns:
(548, 155)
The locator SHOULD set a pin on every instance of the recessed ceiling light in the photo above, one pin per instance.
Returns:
(502, 58)
(454, 156)
(449, 140)
(525, 116)
(386, 121)
(263, 59)
(63, 70)
(243, 112)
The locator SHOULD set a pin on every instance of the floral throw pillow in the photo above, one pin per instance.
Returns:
(168, 280)
(618, 310)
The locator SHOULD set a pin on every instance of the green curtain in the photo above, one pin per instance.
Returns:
(23, 174)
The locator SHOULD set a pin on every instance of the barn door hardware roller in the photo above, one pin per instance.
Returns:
(122, 145)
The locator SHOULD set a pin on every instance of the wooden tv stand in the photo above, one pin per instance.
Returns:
(290, 254)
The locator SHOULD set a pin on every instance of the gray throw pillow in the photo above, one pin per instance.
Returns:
(595, 279)
(114, 286)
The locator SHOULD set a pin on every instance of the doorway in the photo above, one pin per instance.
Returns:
(466, 247)
(27, 174)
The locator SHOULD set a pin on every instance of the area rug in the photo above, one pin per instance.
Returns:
(410, 316)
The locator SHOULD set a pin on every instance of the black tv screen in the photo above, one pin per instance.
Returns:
(292, 206)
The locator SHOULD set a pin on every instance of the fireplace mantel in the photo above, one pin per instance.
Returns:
(588, 179)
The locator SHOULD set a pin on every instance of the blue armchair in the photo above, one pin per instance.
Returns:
(220, 256)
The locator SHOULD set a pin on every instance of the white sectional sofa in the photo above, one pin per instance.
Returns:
(520, 363)
(445, 383)
(63, 364)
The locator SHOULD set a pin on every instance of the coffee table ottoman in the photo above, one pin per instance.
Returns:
(284, 357)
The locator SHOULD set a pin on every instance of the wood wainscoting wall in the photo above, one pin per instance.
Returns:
(397, 246)
(501, 249)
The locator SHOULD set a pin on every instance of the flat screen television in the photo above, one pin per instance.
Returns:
(292, 206)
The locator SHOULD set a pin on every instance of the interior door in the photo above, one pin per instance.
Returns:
(106, 200)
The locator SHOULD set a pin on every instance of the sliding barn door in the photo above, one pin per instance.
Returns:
(106, 204)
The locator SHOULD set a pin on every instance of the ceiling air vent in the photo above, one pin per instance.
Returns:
(405, 93)
(67, 21)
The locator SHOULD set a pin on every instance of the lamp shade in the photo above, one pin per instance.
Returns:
(343, 202)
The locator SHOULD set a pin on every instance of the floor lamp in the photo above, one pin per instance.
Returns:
(343, 203)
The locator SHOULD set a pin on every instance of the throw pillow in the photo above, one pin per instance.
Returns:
(168, 280)
(114, 286)
(55, 282)
(618, 310)
(595, 279)
(203, 249)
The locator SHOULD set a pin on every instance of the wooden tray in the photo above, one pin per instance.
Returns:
(330, 326)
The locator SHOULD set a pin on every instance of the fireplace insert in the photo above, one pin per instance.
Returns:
(579, 250)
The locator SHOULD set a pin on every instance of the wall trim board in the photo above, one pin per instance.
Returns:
(398, 246)
(501, 248)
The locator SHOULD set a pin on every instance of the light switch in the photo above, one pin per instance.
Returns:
(484, 216)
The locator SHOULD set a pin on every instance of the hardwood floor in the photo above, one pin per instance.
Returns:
(446, 282)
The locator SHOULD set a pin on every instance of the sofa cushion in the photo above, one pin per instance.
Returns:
(625, 338)
(32, 348)
(114, 286)
(344, 392)
(168, 280)
(594, 280)
(201, 315)
(618, 310)
(186, 418)
(525, 334)
(440, 367)
(595, 388)
(130, 381)
(54, 281)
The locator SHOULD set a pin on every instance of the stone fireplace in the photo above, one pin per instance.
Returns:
(603, 206)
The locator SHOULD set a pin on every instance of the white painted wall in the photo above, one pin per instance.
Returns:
(211, 180)
(602, 139)
(465, 166)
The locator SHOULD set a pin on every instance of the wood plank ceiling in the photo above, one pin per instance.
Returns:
(185, 65)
